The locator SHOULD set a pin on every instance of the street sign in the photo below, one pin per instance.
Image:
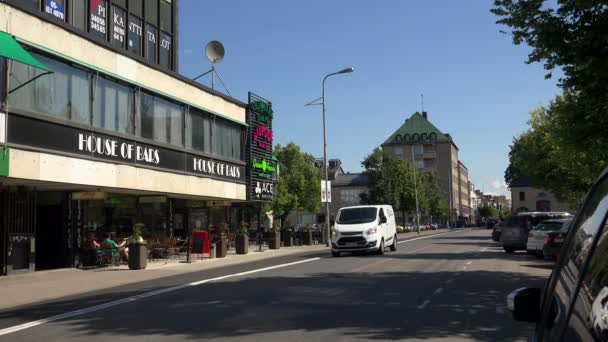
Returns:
(325, 193)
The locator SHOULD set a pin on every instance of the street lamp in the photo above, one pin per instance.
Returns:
(322, 98)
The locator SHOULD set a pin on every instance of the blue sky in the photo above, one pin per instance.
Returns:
(475, 82)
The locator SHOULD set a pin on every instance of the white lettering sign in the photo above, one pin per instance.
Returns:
(213, 168)
(111, 148)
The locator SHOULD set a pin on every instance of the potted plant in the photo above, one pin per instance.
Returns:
(138, 250)
(287, 235)
(307, 238)
(221, 245)
(275, 240)
(242, 239)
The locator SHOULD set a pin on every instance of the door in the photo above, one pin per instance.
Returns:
(51, 246)
(384, 226)
(562, 287)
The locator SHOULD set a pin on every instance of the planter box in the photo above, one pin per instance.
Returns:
(138, 256)
(307, 238)
(275, 241)
(221, 248)
(242, 244)
(287, 238)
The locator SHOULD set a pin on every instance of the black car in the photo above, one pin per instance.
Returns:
(553, 243)
(496, 231)
(574, 303)
(491, 223)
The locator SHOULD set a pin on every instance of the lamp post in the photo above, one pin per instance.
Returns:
(315, 102)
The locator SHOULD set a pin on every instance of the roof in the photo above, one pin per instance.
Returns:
(418, 125)
(351, 179)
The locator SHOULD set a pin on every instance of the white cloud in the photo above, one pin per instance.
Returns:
(499, 185)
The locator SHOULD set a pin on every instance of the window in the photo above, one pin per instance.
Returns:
(152, 12)
(78, 14)
(55, 8)
(522, 195)
(587, 224)
(430, 163)
(135, 35)
(418, 149)
(165, 56)
(98, 19)
(136, 7)
(398, 151)
(62, 94)
(3, 66)
(429, 148)
(419, 164)
(161, 120)
(226, 140)
(32, 3)
(151, 45)
(113, 106)
(198, 131)
(166, 18)
(119, 27)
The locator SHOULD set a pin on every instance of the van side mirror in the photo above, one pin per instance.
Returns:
(524, 304)
(383, 220)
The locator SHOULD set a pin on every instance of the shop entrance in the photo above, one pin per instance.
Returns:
(51, 246)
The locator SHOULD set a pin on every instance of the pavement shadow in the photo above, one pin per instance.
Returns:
(355, 305)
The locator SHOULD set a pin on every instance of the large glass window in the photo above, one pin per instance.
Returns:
(113, 106)
(166, 19)
(165, 55)
(62, 94)
(32, 3)
(136, 7)
(161, 120)
(136, 33)
(2, 81)
(78, 14)
(226, 139)
(198, 131)
(152, 11)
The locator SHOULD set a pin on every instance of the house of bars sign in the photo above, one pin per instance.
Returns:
(260, 166)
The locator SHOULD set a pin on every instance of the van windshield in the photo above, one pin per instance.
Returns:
(357, 215)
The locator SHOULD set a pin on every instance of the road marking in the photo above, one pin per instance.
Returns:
(484, 249)
(131, 299)
(449, 281)
(423, 237)
(464, 268)
(438, 291)
(470, 262)
(424, 304)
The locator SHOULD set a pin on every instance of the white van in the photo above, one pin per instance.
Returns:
(364, 228)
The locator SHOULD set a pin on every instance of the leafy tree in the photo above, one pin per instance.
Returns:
(434, 198)
(487, 212)
(299, 186)
(564, 150)
(504, 213)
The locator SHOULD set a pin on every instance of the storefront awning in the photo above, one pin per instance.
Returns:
(10, 49)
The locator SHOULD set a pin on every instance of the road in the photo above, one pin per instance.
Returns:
(450, 286)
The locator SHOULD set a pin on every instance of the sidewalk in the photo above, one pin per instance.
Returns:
(35, 287)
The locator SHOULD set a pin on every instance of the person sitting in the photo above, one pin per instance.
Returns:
(110, 246)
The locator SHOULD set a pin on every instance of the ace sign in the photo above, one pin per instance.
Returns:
(263, 191)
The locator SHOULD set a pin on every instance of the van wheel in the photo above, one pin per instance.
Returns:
(381, 249)
(335, 254)
(394, 245)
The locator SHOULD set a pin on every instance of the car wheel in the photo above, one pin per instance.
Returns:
(509, 250)
(335, 254)
(394, 245)
(539, 255)
(381, 249)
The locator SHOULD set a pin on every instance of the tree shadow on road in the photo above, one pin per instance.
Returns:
(355, 305)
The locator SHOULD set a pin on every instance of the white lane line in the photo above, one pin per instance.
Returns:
(423, 237)
(464, 268)
(470, 262)
(484, 249)
(449, 281)
(80, 312)
(424, 304)
(438, 291)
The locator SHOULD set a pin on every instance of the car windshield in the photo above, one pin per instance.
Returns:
(549, 226)
(357, 215)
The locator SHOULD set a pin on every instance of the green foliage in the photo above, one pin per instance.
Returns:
(223, 228)
(564, 149)
(504, 213)
(391, 181)
(299, 186)
(487, 212)
(138, 231)
(244, 228)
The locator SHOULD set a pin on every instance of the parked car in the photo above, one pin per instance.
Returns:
(491, 222)
(496, 231)
(434, 226)
(573, 305)
(516, 227)
(364, 229)
(400, 229)
(541, 234)
(554, 241)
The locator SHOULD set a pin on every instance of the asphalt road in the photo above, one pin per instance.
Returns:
(446, 287)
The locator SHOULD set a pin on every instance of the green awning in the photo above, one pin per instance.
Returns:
(10, 49)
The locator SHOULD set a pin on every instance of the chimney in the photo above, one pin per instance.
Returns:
(425, 115)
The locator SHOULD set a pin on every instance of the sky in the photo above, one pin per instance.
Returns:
(476, 84)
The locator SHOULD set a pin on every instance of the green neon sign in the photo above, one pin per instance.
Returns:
(264, 166)
(262, 107)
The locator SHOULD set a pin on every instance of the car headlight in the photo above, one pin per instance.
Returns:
(371, 231)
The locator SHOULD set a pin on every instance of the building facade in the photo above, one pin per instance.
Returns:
(418, 141)
(526, 197)
(111, 135)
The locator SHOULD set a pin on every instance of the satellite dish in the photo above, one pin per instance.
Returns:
(214, 51)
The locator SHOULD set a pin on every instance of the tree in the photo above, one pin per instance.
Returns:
(299, 185)
(564, 150)
(433, 198)
(504, 212)
(487, 212)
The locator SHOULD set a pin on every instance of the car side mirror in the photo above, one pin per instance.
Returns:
(524, 304)
(383, 220)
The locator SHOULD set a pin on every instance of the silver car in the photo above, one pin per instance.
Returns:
(515, 228)
(538, 235)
